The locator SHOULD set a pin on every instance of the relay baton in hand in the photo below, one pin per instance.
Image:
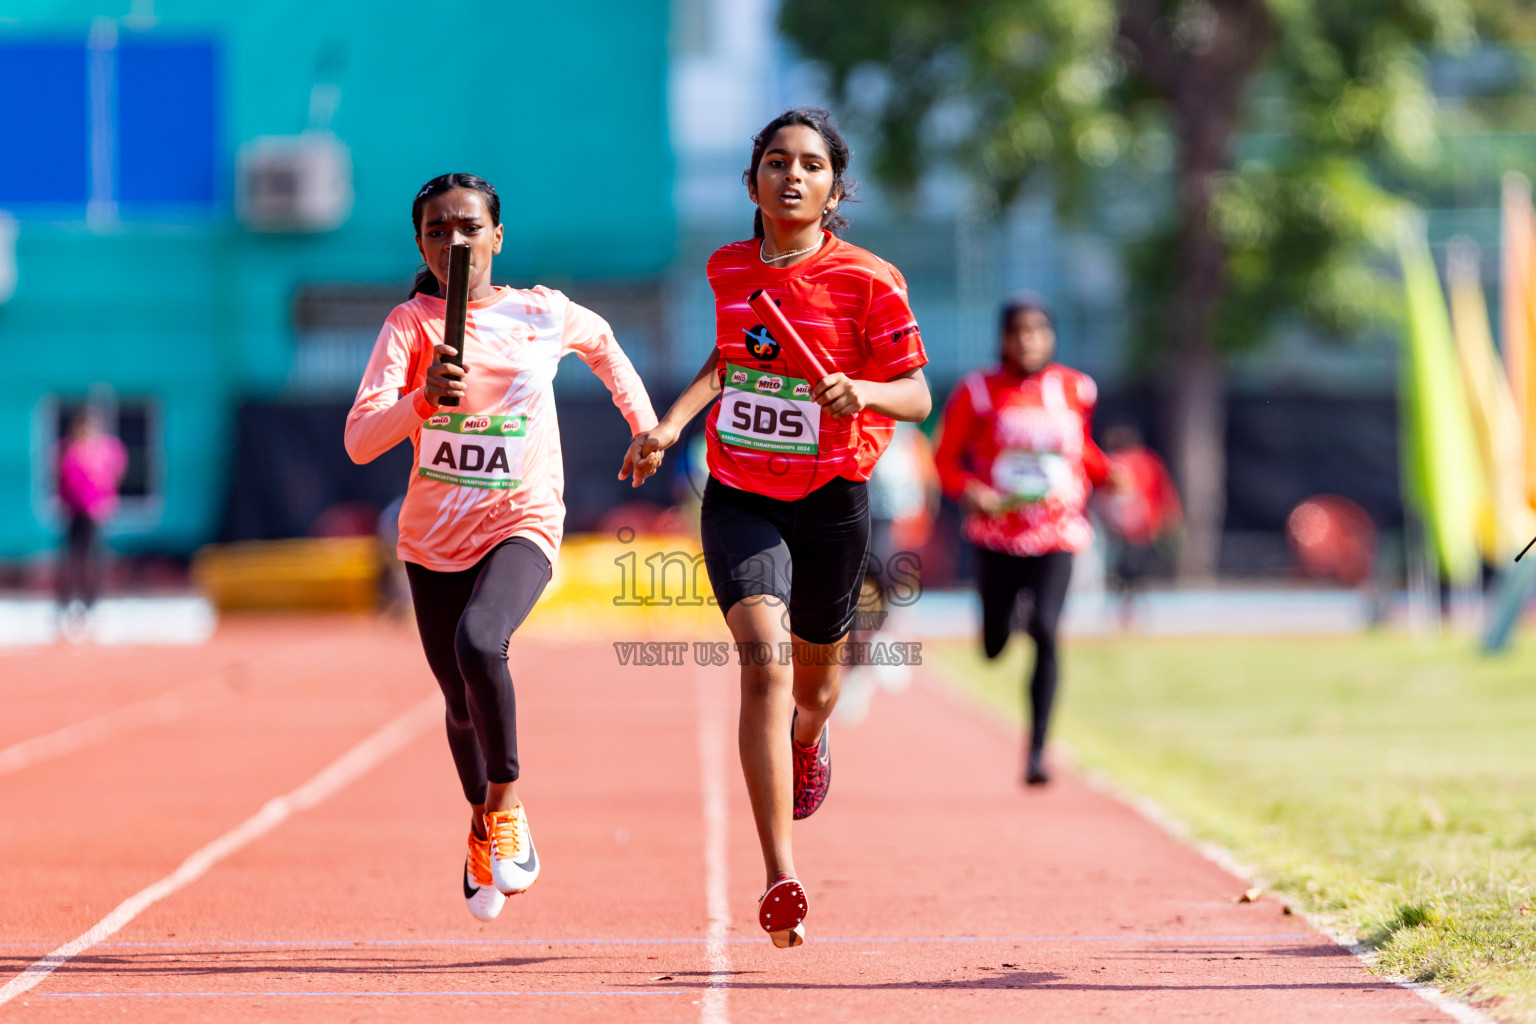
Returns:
(458, 310)
(788, 337)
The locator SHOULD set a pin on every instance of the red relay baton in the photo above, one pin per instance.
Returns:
(788, 337)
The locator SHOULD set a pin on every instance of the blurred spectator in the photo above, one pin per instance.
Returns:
(346, 519)
(903, 498)
(91, 464)
(1332, 538)
(394, 588)
(1142, 516)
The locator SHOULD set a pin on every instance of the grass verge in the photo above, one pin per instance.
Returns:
(1384, 784)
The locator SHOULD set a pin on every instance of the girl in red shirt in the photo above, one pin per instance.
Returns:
(785, 516)
(1016, 453)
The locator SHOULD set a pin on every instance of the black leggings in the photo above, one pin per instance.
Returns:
(1000, 578)
(466, 620)
(80, 562)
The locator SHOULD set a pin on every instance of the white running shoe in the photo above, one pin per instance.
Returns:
(514, 864)
(480, 893)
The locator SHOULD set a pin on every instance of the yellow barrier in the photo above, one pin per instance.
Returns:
(602, 588)
(339, 573)
(650, 586)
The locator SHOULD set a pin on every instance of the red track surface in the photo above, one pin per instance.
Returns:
(939, 890)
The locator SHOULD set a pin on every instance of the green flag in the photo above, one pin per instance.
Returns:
(1442, 475)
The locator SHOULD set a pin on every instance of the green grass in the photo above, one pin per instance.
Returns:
(1383, 784)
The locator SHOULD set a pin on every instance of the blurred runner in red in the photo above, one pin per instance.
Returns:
(785, 514)
(482, 518)
(1016, 452)
(903, 498)
(1143, 515)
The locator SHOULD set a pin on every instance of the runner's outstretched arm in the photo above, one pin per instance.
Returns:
(641, 459)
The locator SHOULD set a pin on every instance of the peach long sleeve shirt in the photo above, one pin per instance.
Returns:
(492, 468)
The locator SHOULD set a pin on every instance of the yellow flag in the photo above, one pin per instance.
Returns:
(1505, 521)
(1441, 469)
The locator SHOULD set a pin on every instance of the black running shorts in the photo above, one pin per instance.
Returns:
(809, 553)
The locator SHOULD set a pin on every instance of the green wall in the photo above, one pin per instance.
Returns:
(562, 106)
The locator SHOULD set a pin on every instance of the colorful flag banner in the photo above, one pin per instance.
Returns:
(1505, 521)
(1518, 322)
(1441, 471)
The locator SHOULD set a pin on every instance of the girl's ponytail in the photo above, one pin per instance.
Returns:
(425, 283)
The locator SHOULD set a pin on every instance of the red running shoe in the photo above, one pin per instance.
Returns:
(813, 772)
(781, 912)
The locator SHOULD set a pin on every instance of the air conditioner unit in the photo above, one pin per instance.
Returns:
(294, 182)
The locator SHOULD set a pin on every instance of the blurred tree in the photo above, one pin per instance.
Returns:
(1269, 122)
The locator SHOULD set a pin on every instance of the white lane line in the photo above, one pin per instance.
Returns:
(214, 944)
(717, 903)
(1152, 811)
(158, 710)
(498, 992)
(326, 783)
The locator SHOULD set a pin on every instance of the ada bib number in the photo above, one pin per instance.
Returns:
(473, 451)
(768, 412)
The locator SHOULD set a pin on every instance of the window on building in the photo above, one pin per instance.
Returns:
(121, 123)
(46, 138)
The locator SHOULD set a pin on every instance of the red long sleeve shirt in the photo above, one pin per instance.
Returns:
(1148, 505)
(1028, 437)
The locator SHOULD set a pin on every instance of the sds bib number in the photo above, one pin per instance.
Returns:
(766, 421)
(768, 412)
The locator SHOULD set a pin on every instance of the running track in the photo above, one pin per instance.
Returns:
(939, 889)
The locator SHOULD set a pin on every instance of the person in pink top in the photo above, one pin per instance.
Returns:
(482, 518)
(91, 466)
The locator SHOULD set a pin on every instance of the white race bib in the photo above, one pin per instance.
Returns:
(473, 451)
(1026, 476)
(768, 412)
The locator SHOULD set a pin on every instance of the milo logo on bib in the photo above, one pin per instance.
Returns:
(473, 451)
(768, 412)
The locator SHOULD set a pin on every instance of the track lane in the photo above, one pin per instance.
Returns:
(84, 831)
(927, 833)
(939, 889)
(611, 782)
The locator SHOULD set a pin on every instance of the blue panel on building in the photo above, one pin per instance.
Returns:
(167, 122)
(44, 123)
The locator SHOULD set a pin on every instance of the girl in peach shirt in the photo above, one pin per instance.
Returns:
(482, 518)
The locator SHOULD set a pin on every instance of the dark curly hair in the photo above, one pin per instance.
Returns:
(426, 281)
(820, 122)
(1022, 302)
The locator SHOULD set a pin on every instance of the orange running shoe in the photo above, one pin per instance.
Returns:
(781, 912)
(480, 893)
(514, 864)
